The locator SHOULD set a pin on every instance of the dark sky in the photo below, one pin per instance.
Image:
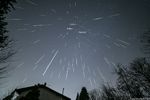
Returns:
(74, 43)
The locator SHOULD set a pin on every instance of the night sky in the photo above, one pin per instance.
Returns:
(74, 43)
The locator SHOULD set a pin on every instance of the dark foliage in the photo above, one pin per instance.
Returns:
(134, 80)
(8, 97)
(5, 43)
(5, 7)
(84, 94)
(77, 97)
(95, 94)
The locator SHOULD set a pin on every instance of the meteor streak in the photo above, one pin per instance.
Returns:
(50, 62)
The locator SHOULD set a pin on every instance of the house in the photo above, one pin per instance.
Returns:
(43, 92)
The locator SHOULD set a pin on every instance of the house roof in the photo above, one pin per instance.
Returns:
(19, 91)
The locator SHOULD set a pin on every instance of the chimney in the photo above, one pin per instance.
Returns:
(45, 84)
(63, 91)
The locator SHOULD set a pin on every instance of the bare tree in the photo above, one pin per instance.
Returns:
(134, 79)
(140, 71)
(126, 83)
(95, 94)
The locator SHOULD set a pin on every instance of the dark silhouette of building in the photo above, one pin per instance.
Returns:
(45, 93)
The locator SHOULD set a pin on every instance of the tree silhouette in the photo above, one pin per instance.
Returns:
(109, 93)
(134, 79)
(127, 84)
(84, 94)
(77, 97)
(5, 7)
(123, 80)
(95, 94)
(5, 43)
(140, 72)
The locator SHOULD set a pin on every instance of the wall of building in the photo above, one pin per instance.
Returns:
(48, 95)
